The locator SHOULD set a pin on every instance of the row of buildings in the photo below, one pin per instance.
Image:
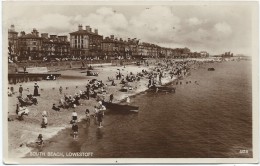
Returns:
(86, 43)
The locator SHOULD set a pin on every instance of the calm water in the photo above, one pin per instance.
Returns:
(209, 120)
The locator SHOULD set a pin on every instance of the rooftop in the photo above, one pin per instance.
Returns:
(84, 32)
(29, 36)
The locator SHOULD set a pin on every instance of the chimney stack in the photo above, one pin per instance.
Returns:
(44, 35)
(12, 28)
(22, 33)
(53, 36)
(80, 27)
(112, 37)
(34, 32)
(88, 29)
(96, 31)
(63, 38)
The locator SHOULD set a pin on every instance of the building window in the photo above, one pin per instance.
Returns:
(34, 43)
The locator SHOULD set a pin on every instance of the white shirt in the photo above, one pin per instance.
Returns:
(74, 114)
(45, 120)
(44, 113)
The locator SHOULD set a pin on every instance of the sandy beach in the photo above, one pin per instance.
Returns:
(22, 134)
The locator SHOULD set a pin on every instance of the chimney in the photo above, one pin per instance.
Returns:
(129, 39)
(60, 38)
(44, 35)
(112, 37)
(88, 29)
(22, 33)
(63, 38)
(80, 27)
(53, 36)
(12, 28)
(34, 31)
(96, 31)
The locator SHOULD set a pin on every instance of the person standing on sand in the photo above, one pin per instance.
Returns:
(127, 100)
(40, 140)
(21, 90)
(88, 92)
(100, 118)
(111, 97)
(36, 93)
(44, 113)
(75, 130)
(96, 113)
(60, 89)
(44, 121)
(87, 116)
(24, 69)
(74, 116)
(160, 77)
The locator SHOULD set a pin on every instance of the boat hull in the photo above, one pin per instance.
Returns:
(163, 89)
(120, 107)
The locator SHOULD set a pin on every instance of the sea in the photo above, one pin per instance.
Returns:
(209, 116)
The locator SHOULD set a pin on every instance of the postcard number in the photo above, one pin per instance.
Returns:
(243, 151)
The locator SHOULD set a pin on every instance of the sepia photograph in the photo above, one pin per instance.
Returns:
(130, 82)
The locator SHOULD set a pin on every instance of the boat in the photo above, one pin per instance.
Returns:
(211, 69)
(162, 89)
(91, 73)
(120, 107)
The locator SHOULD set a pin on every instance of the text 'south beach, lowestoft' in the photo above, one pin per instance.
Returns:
(61, 154)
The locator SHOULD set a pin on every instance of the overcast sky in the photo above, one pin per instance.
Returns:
(213, 28)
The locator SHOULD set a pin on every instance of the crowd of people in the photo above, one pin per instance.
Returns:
(24, 100)
(178, 69)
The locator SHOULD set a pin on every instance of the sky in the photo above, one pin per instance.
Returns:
(207, 27)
